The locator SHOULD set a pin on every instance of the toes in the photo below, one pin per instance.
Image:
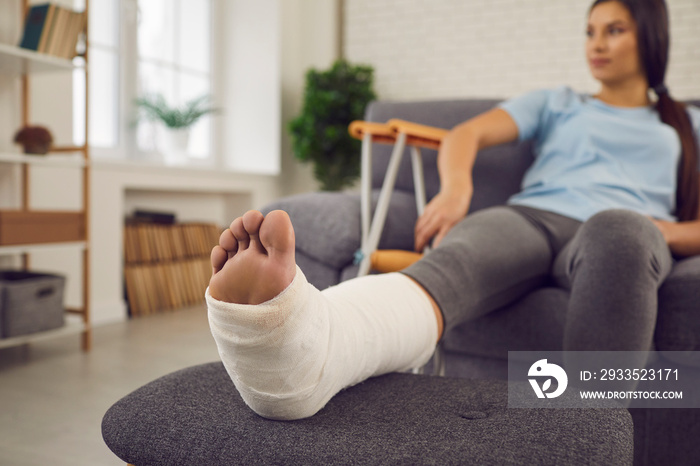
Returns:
(240, 234)
(228, 242)
(273, 232)
(252, 220)
(277, 233)
(219, 256)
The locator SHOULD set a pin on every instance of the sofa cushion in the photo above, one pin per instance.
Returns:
(317, 273)
(535, 323)
(327, 225)
(678, 323)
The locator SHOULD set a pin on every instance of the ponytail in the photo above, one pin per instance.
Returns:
(687, 191)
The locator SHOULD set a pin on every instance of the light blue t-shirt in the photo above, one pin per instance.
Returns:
(591, 156)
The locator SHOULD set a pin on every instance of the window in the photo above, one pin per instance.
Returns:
(104, 77)
(140, 47)
(174, 61)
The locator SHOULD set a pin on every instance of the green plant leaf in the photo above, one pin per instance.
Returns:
(154, 107)
(319, 134)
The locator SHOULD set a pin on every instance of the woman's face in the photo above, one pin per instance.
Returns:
(611, 48)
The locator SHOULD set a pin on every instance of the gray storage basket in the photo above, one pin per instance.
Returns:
(30, 302)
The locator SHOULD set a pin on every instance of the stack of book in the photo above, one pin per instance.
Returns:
(167, 266)
(53, 30)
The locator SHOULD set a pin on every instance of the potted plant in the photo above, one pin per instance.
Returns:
(332, 100)
(34, 139)
(176, 120)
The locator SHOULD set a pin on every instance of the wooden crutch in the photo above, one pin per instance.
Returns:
(400, 133)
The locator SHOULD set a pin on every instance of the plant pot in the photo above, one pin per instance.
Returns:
(34, 139)
(37, 148)
(173, 145)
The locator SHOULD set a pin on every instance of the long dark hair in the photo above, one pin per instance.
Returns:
(653, 41)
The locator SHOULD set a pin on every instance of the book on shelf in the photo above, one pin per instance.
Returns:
(153, 216)
(36, 24)
(47, 28)
(57, 34)
(53, 30)
(167, 266)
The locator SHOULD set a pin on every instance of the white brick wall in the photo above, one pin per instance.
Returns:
(424, 49)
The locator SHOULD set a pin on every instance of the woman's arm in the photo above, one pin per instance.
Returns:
(455, 160)
(682, 237)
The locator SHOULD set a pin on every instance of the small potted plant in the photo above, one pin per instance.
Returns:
(176, 120)
(332, 100)
(34, 139)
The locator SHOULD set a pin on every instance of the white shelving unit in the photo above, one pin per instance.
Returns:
(18, 61)
(54, 160)
(22, 63)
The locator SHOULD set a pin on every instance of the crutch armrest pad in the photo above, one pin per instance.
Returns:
(417, 134)
(381, 132)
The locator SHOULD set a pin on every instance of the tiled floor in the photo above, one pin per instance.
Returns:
(53, 396)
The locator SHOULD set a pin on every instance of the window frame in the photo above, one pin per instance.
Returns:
(128, 61)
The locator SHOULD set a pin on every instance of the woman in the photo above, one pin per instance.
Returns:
(613, 192)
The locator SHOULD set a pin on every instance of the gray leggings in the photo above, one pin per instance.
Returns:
(612, 264)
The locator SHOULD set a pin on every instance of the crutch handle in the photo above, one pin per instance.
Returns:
(392, 260)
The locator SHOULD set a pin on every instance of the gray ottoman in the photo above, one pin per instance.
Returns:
(195, 416)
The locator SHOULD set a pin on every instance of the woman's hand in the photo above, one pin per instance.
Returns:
(455, 161)
(440, 215)
(663, 226)
(683, 238)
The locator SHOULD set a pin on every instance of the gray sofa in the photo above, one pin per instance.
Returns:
(327, 227)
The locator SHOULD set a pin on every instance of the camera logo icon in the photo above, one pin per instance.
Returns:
(542, 368)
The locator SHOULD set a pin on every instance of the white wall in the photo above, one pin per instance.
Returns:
(310, 39)
(265, 50)
(248, 55)
(423, 49)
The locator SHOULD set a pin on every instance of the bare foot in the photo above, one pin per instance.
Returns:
(254, 261)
